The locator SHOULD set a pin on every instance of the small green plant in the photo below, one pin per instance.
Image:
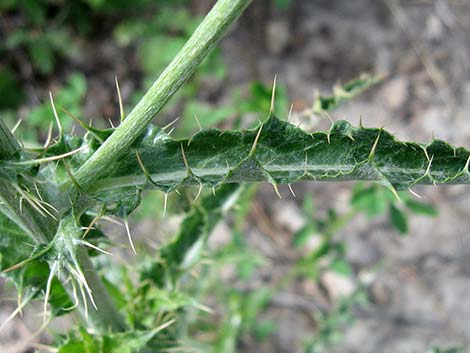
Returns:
(53, 199)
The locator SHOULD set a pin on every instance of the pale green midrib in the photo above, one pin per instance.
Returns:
(206, 36)
(312, 170)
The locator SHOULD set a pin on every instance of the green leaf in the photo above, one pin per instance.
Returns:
(308, 205)
(283, 4)
(177, 257)
(42, 56)
(421, 208)
(285, 154)
(369, 199)
(125, 342)
(16, 248)
(344, 93)
(342, 267)
(448, 350)
(12, 94)
(302, 235)
(398, 219)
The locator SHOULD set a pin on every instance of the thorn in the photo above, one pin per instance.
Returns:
(178, 192)
(41, 198)
(85, 303)
(28, 260)
(394, 192)
(48, 289)
(72, 178)
(414, 193)
(18, 310)
(49, 136)
(426, 154)
(273, 96)
(184, 159)
(18, 301)
(75, 298)
(81, 278)
(112, 220)
(360, 122)
(253, 148)
(289, 116)
(50, 159)
(213, 191)
(93, 222)
(163, 326)
(276, 190)
(198, 122)
(90, 245)
(428, 169)
(467, 164)
(144, 170)
(56, 116)
(329, 117)
(29, 200)
(374, 146)
(21, 204)
(291, 190)
(171, 130)
(121, 106)
(17, 125)
(111, 123)
(198, 192)
(170, 124)
(73, 117)
(165, 203)
(204, 308)
(126, 223)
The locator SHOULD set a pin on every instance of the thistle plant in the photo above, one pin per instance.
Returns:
(53, 197)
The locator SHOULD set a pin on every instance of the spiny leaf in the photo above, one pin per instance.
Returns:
(125, 342)
(285, 154)
(31, 276)
(398, 219)
(421, 208)
(344, 93)
(186, 249)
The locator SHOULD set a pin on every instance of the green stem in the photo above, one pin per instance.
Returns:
(203, 40)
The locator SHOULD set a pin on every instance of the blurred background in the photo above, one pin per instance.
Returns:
(340, 268)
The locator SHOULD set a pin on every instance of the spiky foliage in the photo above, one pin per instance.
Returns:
(53, 197)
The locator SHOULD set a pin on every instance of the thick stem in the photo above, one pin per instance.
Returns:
(206, 36)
